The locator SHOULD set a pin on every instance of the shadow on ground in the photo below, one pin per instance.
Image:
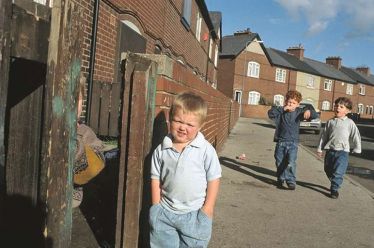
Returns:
(243, 168)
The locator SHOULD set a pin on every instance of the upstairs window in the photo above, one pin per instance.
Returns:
(349, 90)
(216, 56)
(278, 100)
(310, 82)
(327, 85)
(253, 69)
(325, 105)
(362, 90)
(280, 75)
(198, 26)
(186, 13)
(254, 98)
(210, 47)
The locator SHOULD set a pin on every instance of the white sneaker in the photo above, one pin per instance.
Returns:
(77, 196)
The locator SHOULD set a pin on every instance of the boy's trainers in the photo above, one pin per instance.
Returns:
(280, 184)
(334, 194)
(291, 186)
(77, 196)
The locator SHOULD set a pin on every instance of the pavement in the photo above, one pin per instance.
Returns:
(252, 213)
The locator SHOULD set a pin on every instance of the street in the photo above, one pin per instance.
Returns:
(361, 166)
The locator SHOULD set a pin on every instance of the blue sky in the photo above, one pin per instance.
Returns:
(325, 28)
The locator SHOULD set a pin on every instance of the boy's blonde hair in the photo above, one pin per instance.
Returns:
(294, 94)
(189, 103)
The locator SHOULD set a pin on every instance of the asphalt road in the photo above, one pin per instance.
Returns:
(361, 166)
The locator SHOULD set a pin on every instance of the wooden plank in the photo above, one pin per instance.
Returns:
(95, 106)
(59, 145)
(104, 110)
(5, 20)
(29, 35)
(114, 110)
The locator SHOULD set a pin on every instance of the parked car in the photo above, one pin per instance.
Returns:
(311, 124)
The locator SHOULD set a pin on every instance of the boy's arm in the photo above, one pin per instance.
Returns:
(322, 140)
(211, 196)
(156, 191)
(275, 112)
(356, 139)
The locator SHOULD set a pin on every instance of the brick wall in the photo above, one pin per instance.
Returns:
(222, 111)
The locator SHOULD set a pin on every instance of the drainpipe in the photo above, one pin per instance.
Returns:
(92, 59)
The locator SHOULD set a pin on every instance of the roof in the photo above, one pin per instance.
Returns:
(232, 45)
(287, 60)
(358, 76)
(328, 71)
(216, 17)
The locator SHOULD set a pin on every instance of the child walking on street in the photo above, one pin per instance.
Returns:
(185, 174)
(335, 139)
(287, 120)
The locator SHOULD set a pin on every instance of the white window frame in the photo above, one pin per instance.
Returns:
(367, 109)
(254, 98)
(210, 47)
(216, 56)
(198, 26)
(280, 75)
(349, 90)
(238, 93)
(326, 105)
(362, 89)
(278, 100)
(310, 82)
(371, 110)
(327, 84)
(253, 69)
(360, 108)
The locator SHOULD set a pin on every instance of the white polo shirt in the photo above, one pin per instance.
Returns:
(184, 176)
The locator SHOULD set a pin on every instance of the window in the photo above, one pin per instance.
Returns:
(327, 85)
(310, 82)
(362, 90)
(198, 26)
(216, 56)
(367, 109)
(349, 90)
(325, 105)
(44, 2)
(278, 100)
(210, 47)
(253, 69)
(360, 108)
(371, 110)
(238, 96)
(254, 98)
(280, 75)
(186, 14)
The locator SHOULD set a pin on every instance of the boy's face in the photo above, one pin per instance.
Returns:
(340, 110)
(291, 105)
(184, 127)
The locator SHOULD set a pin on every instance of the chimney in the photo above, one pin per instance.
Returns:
(243, 32)
(297, 51)
(334, 61)
(364, 69)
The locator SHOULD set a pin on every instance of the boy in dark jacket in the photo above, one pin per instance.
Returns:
(287, 120)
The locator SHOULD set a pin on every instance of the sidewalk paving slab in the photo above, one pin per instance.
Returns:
(252, 212)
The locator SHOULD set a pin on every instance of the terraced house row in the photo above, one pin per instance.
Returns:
(255, 75)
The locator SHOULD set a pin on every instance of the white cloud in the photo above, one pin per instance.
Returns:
(320, 13)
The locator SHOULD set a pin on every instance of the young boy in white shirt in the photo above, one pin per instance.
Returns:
(185, 174)
(335, 139)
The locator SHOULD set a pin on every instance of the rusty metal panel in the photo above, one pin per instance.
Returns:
(29, 35)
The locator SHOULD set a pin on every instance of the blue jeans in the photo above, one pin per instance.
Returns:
(285, 160)
(170, 230)
(336, 163)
